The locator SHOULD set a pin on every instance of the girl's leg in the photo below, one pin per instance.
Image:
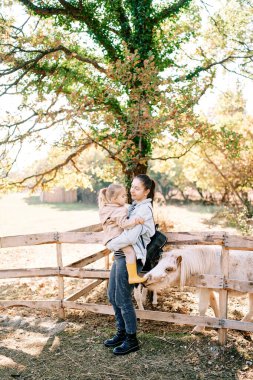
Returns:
(133, 277)
(130, 254)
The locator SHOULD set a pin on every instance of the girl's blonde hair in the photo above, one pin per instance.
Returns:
(108, 193)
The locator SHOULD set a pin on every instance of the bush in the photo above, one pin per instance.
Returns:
(234, 217)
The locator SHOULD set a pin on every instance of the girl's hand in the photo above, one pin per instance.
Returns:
(139, 220)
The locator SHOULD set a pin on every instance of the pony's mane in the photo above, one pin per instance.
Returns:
(197, 260)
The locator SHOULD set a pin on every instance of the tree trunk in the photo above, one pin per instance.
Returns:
(248, 205)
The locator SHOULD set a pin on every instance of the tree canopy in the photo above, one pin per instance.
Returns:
(119, 75)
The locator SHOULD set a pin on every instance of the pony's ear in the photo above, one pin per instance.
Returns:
(179, 259)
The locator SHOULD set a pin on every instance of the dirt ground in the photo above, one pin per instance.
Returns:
(37, 345)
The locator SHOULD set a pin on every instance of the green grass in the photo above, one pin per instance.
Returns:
(35, 200)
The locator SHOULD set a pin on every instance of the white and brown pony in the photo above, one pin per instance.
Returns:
(176, 268)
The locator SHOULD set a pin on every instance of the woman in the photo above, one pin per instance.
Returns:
(119, 290)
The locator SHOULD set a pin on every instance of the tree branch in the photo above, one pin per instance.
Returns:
(178, 156)
(79, 57)
(200, 69)
(112, 155)
(85, 15)
(43, 11)
(126, 31)
(170, 11)
(42, 54)
(40, 177)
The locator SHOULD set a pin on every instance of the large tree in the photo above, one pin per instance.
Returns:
(115, 74)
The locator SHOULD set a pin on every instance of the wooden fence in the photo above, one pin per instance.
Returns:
(93, 234)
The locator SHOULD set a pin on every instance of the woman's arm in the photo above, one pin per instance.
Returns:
(125, 223)
(121, 218)
(130, 237)
(127, 237)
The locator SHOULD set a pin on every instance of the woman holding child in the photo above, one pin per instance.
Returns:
(127, 234)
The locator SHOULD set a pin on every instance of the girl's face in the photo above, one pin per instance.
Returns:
(138, 191)
(121, 198)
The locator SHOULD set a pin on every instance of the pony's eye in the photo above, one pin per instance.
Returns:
(169, 269)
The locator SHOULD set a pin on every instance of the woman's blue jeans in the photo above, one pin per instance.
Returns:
(120, 296)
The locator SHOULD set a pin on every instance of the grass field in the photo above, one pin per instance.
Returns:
(24, 214)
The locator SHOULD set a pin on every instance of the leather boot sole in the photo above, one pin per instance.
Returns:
(132, 349)
(113, 345)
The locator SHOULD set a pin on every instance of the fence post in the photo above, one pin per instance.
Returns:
(223, 293)
(60, 280)
(107, 261)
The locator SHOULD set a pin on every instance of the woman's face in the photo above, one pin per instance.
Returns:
(138, 191)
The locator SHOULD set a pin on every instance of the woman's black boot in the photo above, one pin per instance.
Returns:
(130, 344)
(116, 340)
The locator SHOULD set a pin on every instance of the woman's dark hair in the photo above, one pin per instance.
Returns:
(148, 184)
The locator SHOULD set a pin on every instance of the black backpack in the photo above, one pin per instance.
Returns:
(154, 248)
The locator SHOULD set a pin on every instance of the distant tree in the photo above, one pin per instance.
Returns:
(221, 166)
(116, 74)
(231, 157)
(94, 170)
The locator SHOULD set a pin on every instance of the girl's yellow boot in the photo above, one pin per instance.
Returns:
(133, 277)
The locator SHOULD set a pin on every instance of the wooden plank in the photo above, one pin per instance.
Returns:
(33, 272)
(240, 286)
(223, 296)
(92, 228)
(64, 271)
(242, 243)
(94, 235)
(60, 280)
(83, 291)
(97, 237)
(52, 237)
(237, 325)
(52, 305)
(201, 281)
(198, 238)
(150, 315)
(90, 259)
(142, 314)
(82, 237)
(93, 307)
(206, 281)
(166, 317)
(85, 273)
(178, 318)
(32, 239)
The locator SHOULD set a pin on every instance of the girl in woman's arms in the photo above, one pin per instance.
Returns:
(113, 215)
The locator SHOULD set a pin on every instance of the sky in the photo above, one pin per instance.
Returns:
(222, 83)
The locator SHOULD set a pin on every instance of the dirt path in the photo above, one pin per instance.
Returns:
(44, 349)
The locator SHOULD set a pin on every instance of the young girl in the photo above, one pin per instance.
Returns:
(113, 215)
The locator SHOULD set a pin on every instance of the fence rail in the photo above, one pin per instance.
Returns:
(94, 235)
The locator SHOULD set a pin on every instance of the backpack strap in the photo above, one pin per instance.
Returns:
(156, 226)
